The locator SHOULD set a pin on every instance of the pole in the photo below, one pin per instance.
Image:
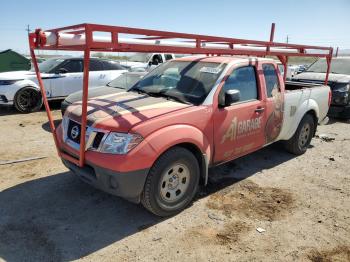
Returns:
(85, 96)
(272, 34)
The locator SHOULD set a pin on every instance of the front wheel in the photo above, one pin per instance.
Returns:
(301, 139)
(28, 100)
(171, 183)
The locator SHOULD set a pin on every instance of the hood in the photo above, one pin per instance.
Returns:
(319, 77)
(121, 111)
(93, 92)
(19, 75)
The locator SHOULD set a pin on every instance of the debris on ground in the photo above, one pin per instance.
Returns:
(21, 160)
(325, 137)
(260, 230)
(156, 238)
(331, 158)
(215, 217)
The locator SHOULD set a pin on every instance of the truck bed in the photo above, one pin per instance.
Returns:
(299, 98)
(293, 85)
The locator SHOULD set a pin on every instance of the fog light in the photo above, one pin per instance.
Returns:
(113, 182)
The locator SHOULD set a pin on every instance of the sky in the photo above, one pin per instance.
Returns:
(315, 22)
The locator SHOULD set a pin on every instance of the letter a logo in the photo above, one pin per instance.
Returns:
(231, 132)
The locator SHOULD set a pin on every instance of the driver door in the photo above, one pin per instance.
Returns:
(70, 81)
(239, 127)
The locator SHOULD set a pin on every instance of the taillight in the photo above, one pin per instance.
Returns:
(329, 98)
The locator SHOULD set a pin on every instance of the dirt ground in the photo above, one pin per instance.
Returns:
(302, 203)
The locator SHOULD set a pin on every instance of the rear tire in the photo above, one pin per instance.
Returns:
(27, 100)
(171, 183)
(301, 139)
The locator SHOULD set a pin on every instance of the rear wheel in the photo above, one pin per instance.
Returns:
(301, 139)
(171, 183)
(27, 100)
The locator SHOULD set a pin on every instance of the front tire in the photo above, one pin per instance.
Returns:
(301, 139)
(171, 183)
(27, 100)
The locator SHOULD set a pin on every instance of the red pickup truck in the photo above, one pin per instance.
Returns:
(154, 143)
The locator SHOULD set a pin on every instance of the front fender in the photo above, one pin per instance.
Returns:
(170, 136)
(10, 90)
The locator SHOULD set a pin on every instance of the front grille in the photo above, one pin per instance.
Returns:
(72, 134)
(74, 131)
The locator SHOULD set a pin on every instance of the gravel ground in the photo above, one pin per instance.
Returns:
(300, 204)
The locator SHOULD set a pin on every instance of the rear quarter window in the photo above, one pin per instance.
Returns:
(111, 65)
(271, 79)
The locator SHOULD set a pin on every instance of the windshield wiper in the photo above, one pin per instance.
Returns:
(138, 90)
(170, 97)
(119, 87)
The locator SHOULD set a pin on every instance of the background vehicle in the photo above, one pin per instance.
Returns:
(62, 77)
(281, 68)
(339, 81)
(121, 84)
(146, 61)
(301, 69)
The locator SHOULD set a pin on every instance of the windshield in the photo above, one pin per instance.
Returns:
(187, 82)
(125, 81)
(48, 65)
(140, 57)
(338, 66)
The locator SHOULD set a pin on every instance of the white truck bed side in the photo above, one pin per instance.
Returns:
(298, 102)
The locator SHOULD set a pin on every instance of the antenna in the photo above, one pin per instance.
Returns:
(28, 29)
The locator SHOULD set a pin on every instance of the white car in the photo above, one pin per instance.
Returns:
(146, 61)
(61, 77)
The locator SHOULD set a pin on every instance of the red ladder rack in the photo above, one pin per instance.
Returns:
(84, 37)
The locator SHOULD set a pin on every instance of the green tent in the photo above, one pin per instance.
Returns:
(12, 61)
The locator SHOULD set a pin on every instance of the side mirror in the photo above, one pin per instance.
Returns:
(62, 71)
(150, 63)
(231, 96)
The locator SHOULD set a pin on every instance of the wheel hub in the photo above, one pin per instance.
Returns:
(174, 182)
(304, 135)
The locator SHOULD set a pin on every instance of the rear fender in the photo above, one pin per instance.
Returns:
(292, 122)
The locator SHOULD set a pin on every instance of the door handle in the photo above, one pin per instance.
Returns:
(259, 110)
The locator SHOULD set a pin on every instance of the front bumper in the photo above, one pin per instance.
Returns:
(339, 111)
(126, 185)
(5, 101)
(120, 175)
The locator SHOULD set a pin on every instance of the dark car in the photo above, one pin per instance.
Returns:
(339, 81)
(119, 84)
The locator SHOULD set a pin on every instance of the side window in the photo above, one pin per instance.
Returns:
(111, 65)
(74, 66)
(157, 59)
(271, 79)
(244, 80)
(168, 57)
(95, 65)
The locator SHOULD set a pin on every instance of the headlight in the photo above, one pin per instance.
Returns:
(342, 87)
(7, 82)
(120, 143)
